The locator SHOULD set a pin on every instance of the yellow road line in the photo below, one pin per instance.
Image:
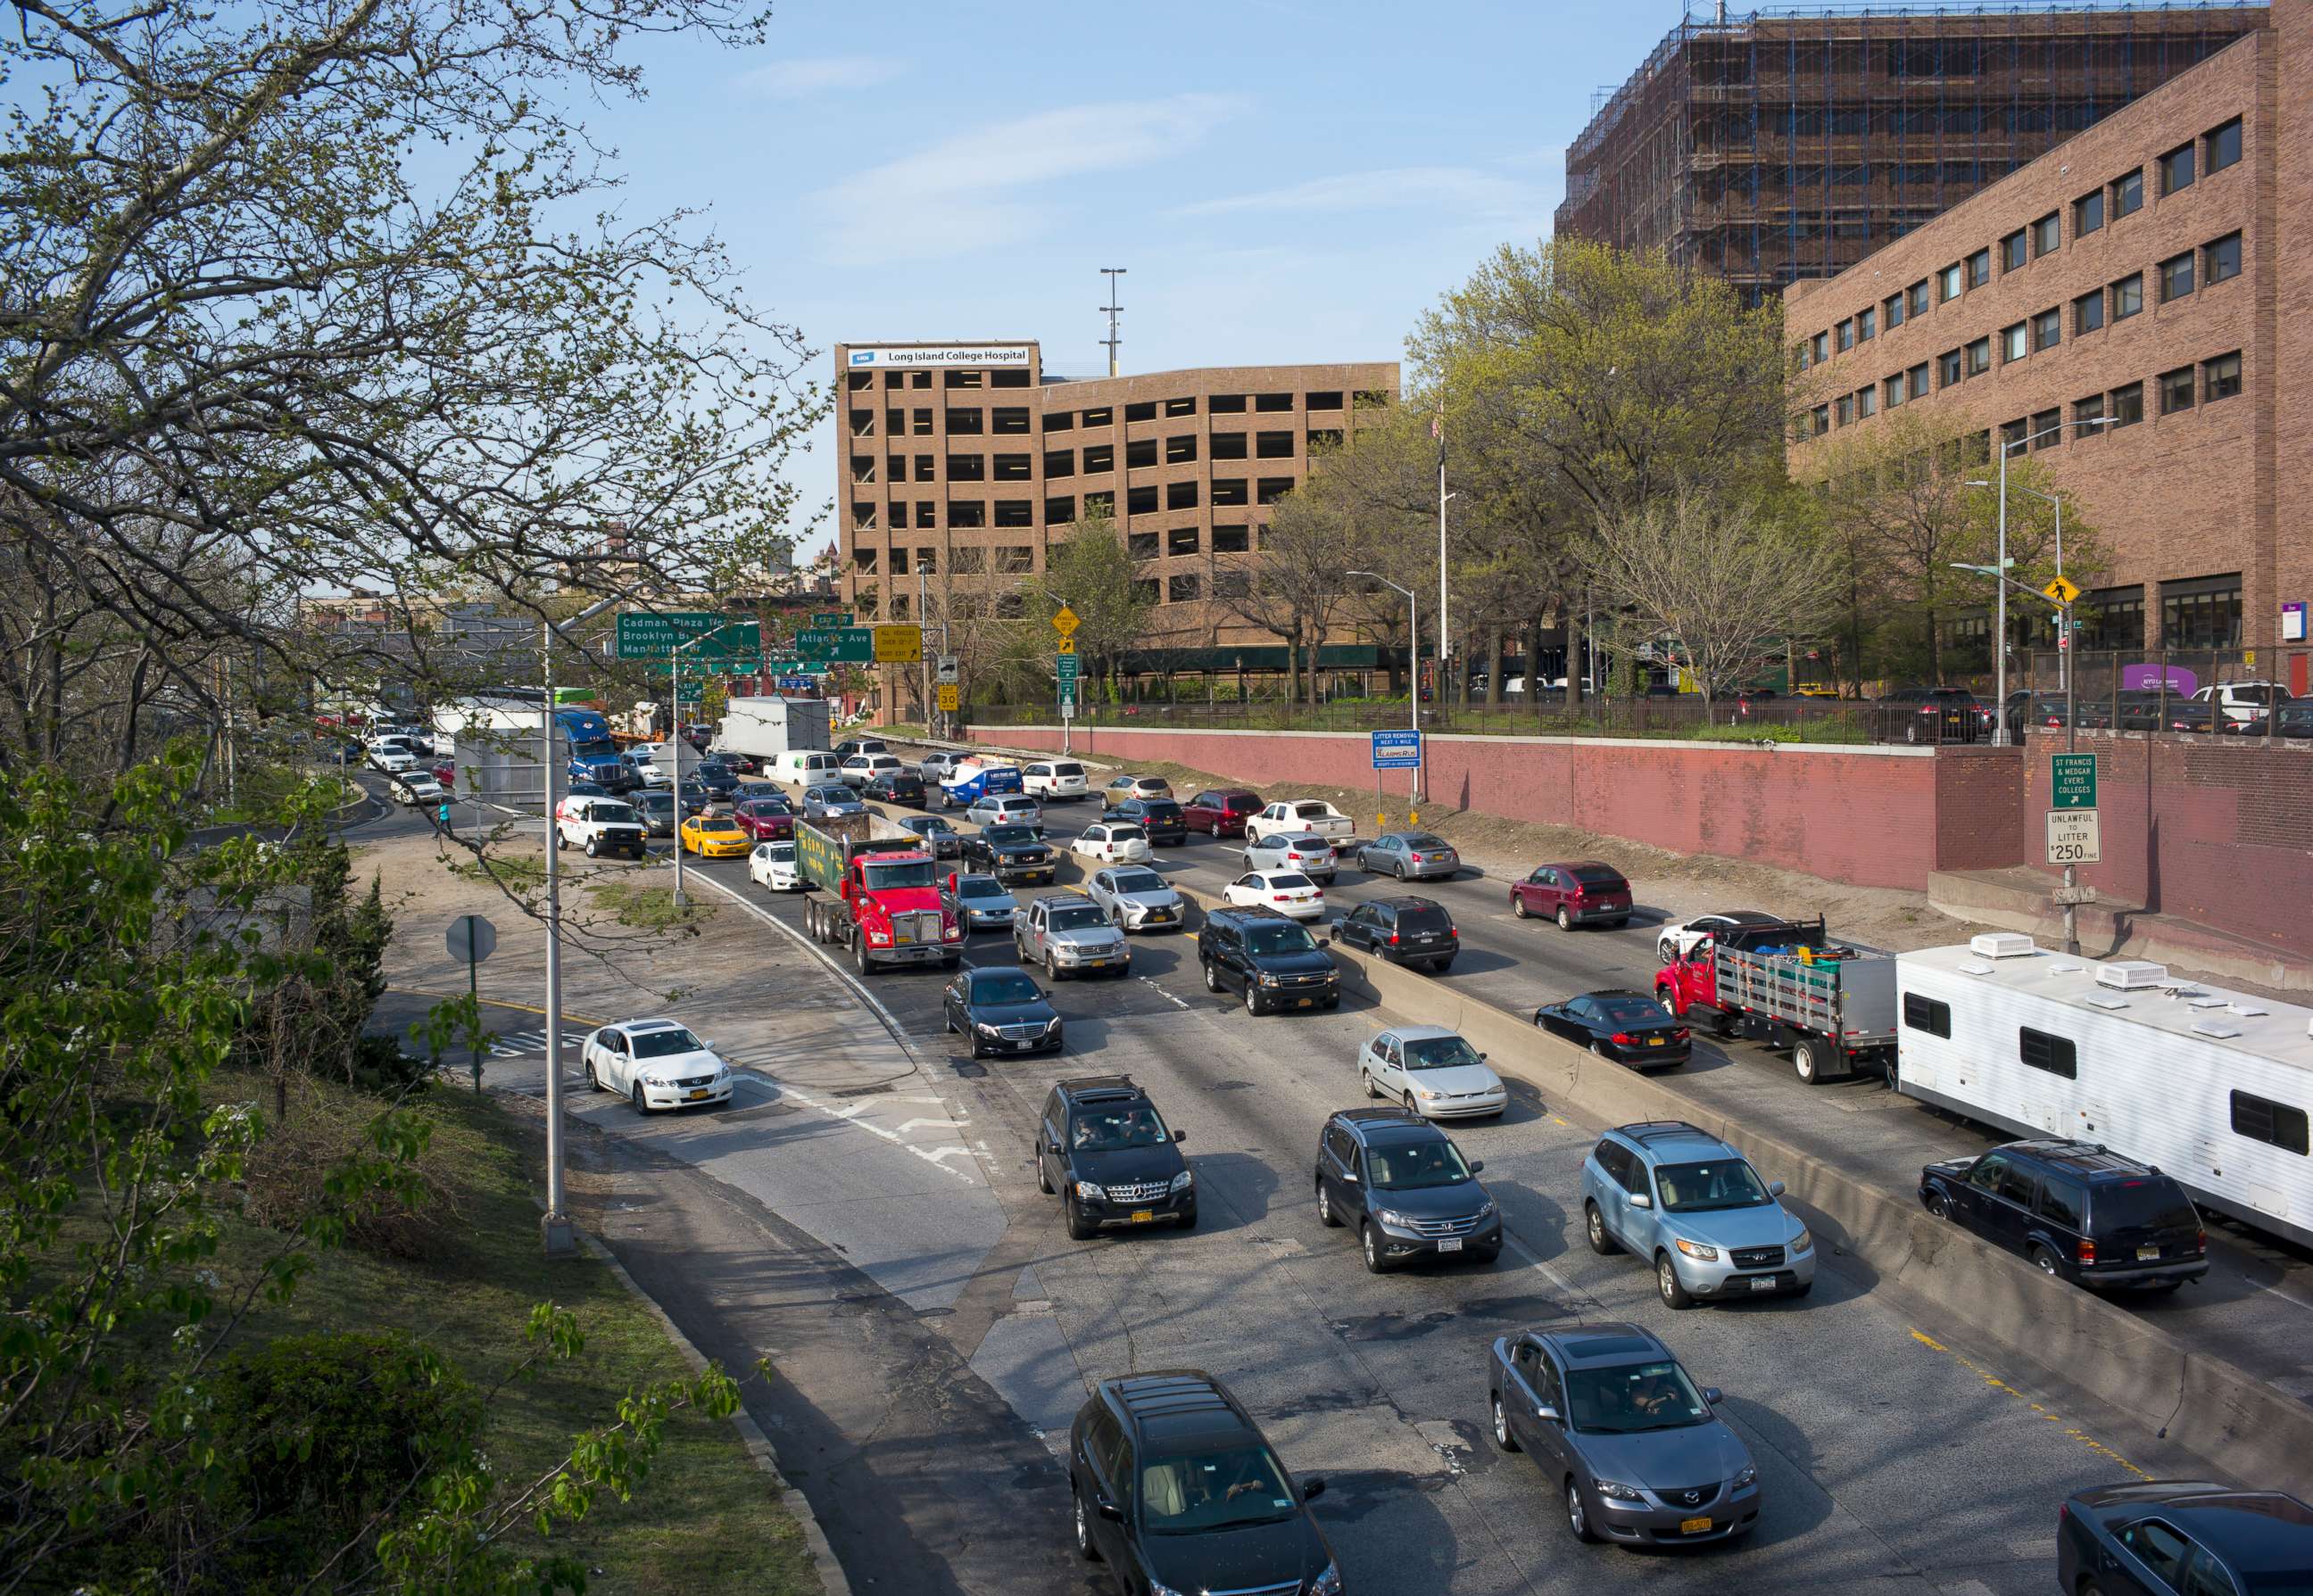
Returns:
(1997, 1384)
(488, 1003)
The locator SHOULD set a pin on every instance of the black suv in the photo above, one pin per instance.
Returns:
(1010, 853)
(1160, 818)
(2079, 1212)
(1177, 1489)
(897, 786)
(1103, 1147)
(1273, 960)
(1403, 931)
(1405, 1187)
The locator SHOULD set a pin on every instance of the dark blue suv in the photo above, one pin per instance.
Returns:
(1405, 1187)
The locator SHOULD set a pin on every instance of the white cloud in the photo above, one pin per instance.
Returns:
(816, 74)
(978, 189)
(1459, 189)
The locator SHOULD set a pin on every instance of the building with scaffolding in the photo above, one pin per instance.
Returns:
(1790, 143)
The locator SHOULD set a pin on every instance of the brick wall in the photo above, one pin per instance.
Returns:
(1979, 807)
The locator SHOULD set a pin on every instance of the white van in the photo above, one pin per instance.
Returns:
(806, 768)
(1054, 781)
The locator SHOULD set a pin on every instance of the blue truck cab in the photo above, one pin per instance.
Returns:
(970, 781)
(594, 757)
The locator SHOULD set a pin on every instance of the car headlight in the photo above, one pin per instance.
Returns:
(1267, 980)
(1614, 1490)
(1424, 1093)
(1328, 1584)
(1748, 1475)
(876, 939)
(1803, 1242)
(657, 1081)
(1696, 1250)
(1184, 1180)
(1090, 1193)
(1392, 1216)
(1486, 1209)
(985, 1029)
(1054, 1023)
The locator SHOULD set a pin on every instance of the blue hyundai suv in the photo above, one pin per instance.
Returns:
(1696, 1209)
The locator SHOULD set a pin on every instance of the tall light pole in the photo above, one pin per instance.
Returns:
(1112, 273)
(1999, 639)
(1413, 663)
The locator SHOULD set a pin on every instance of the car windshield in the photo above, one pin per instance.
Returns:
(1111, 1130)
(1068, 769)
(2154, 1205)
(928, 824)
(1006, 835)
(1278, 939)
(1138, 880)
(1423, 839)
(1629, 1398)
(657, 801)
(1701, 1187)
(1159, 809)
(615, 814)
(1078, 917)
(782, 851)
(1004, 987)
(1438, 1053)
(1126, 833)
(716, 827)
(1199, 1492)
(980, 886)
(1608, 878)
(1288, 881)
(1410, 1166)
(1631, 1011)
(664, 1044)
(882, 877)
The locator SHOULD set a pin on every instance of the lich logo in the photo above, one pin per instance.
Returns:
(863, 357)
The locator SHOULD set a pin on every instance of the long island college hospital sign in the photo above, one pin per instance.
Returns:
(932, 355)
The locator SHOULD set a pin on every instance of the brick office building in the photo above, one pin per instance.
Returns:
(961, 464)
(2154, 271)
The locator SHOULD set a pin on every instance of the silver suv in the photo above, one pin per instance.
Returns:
(1696, 1210)
(1069, 934)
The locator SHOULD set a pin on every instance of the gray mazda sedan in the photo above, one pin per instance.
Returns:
(1617, 1426)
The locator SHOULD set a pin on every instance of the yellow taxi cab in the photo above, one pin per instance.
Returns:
(714, 836)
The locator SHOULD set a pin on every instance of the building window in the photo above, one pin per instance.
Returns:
(1226, 404)
(1866, 402)
(1273, 488)
(1326, 401)
(1229, 490)
(2047, 329)
(1180, 540)
(2088, 214)
(1979, 269)
(2128, 194)
(2127, 405)
(2046, 235)
(2128, 296)
(1819, 349)
(1273, 445)
(1099, 457)
(2177, 169)
(2048, 429)
(1845, 408)
(1011, 419)
(2276, 1125)
(963, 378)
(1140, 410)
(1228, 445)
(2224, 145)
(1139, 452)
(1955, 279)
(961, 421)
(1142, 546)
(1103, 503)
(1181, 495)
(1059, 462)
(1232, 540)
(2015, 342)
(2221, 378)
(2039, 1050)
(1918, 294)
(2012, 435)
(1821, 416)
(863, 516)
(2015, 250)
(1867, 323)
(1061, 510)
(967, 467)
(1103, 416)
(2176, 390)
(1273, 401)
(2112, 617)
(1181, 407)
(1894, 307)
(1846, 330)
(1061, 421)
(919, 422)
(1180, 450)
(1979, 357)
(1949, 361)
(967, 513)
(2221, 260)
(1325, 437)
(1186, 588)
(1892, 392)
(2087, 412)
(1919, 375)
(1141, 501)
(2088, 312)
(1013, 467)
(2177, 277)
(927, 510)
(2204, 612)
(1014, 559)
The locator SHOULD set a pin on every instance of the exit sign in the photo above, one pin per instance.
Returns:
(2072, 781)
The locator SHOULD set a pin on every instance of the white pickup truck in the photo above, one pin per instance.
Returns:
(1300, 817)
(599, 826)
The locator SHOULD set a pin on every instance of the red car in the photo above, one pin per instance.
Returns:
(1575, 894)
(1221, 813)
(766, 819)
(444, 771)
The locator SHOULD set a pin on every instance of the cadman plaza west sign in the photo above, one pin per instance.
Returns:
(936, 354)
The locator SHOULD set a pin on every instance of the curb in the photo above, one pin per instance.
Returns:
(832, 1577)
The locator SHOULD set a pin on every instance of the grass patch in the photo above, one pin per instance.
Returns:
(706, 1519)
(1840, 729)
(649, 908)
(522, 872)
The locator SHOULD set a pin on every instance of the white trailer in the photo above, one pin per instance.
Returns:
(2212, 1086)
(765, 728)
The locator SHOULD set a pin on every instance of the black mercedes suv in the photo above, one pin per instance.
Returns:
(1103, 1148)
(1273, 960)
(1175, 1488)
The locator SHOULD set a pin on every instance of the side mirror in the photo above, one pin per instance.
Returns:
(1180, 1135)
(1545, 1411)
(1639, 1199)
(1054, 1148)
(1313, 1487)
(1482, 1058)
(1476, 1164)
(1108, 1510)
(1350, 1176)
(1713, 1395)
(1776, 1188)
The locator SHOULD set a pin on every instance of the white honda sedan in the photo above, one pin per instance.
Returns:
(655, 1064)
(1113, 842)
(1288, 891)
(773, 866)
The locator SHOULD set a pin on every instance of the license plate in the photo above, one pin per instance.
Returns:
(1765, 1283)
(1143, 1215)
(698, 1092)
(2145, 1255)
(1692, 1526)
(1096, 963)
(1022, 1047)
(1305, 1001)
(1451, 1244)
(1654, 1041)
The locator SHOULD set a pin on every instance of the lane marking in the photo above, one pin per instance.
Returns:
(1176, 1001)
(948, 1123)
(931, 1156)
(1997, 1384)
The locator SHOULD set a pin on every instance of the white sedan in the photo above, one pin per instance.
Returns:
(1288, 891)
(1312, 856)
(655, 1064)
(415, 787)
(773, 866)
(1113, 842)
(1433, 1072)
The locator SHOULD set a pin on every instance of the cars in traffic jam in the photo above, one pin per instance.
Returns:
(2077, 1211)
(944, 840)
(1312, 856)
(1581, 894)
(767, 819)
(1270, 961)
(1125, 788)
(1694, 1210)
(1160, 820)
(979, 902)
(714, 836)
(1286, 891)
(1070, 934)
(1403, 930)
(772, 867)
(1221, 812)
(1433, 1072)
(1136, 898)
(999, 1009)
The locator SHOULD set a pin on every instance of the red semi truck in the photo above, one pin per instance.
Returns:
(881, 894)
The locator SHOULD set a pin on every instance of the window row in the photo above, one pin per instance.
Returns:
(1189, 539)
(2181, 388)
(1012, 376)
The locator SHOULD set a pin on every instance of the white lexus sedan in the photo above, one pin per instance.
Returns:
(655, 1064)
(773, 866)
(1113, 842)
(1288, 891)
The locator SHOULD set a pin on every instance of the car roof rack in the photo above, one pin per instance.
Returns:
(1662, 1130)
(1171, 1394)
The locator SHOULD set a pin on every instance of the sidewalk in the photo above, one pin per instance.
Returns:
(2017, 899)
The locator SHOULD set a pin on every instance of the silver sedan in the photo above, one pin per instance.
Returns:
(1310, 854)
(1410, 856)
(1136, 898)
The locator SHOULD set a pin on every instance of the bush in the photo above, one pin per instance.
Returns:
(285, 1182)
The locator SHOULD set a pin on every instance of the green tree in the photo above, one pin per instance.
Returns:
(1092, 574)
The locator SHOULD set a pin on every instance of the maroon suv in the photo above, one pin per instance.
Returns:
(1575, 894)
(766, 819)
(1221, 813)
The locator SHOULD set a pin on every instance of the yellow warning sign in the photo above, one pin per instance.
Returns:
(947, 698)
(1066, 621)
(2063, 590)
(1065, 646)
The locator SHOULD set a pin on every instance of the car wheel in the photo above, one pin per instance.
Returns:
(1052, 969)
(1078, 1229)
(1399, 870)
(2045, 1262)
(1937, 1207)
(1518, 910)
(561, 843)
(1252, 999)
(1371, 1248)
(1594, 1226)
(1807, 1063)
(1600, 1049)
(1412, 1107)
(1116, 917)
(1668, 1286)
(1365, 1079)
(1212, 979)
(642, 1108)
(594, 1080)
(1325, 1215)
(1565, 920)
(1084, 1546)
(1502, 1436)
(592, 851)
(1578, 1519)
(1043, 1179)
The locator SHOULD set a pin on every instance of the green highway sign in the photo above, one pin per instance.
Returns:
(2072, 781)
(831, 617)
(645, 636)
(1068, 664)
(850, 644)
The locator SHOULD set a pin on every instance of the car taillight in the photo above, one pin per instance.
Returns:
(2200, 1239)
(1393, 938)
(1416, 858)
(2086, 1253)
(1621, 1039)
(1453, 931)
(1680, 1035)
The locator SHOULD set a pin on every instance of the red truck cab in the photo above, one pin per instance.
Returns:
(1692, 982)
(895, 903)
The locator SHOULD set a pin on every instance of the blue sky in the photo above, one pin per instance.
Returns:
(1285, 181)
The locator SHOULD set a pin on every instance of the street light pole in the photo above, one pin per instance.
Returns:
(1999, 643)
(1413, 672)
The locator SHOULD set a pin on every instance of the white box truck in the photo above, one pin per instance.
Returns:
(2212, 1086)
(762, 729)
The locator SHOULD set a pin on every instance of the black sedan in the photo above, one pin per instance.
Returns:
(1618, 1024)
(1000, 1009)
(1010, 853)
(1160, 818)
(898, 786)
(2178, 1535)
